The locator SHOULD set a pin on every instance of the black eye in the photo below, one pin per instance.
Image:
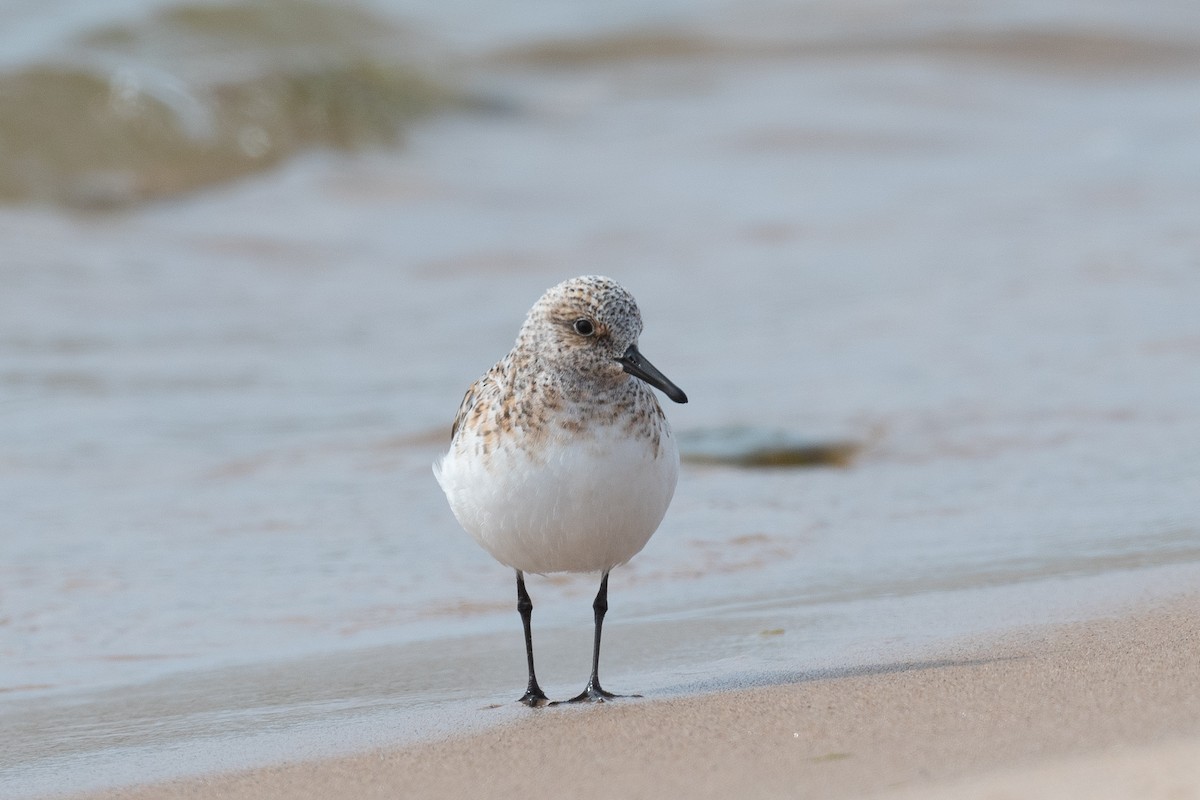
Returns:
(584, 327)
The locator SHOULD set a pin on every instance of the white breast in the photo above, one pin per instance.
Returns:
(579, 506)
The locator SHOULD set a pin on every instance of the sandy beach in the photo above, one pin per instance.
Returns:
(1104, 708)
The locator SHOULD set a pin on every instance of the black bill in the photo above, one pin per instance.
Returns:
(636, 365)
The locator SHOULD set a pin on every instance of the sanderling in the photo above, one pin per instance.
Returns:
(559, 460)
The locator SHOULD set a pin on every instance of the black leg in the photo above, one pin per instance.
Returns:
(534, 696)
(594, 693)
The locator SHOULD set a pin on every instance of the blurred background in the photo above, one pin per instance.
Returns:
(927, 270)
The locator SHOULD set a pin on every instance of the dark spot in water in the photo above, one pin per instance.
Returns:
(757, 447)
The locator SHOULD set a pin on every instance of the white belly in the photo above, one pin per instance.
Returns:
(586, 506)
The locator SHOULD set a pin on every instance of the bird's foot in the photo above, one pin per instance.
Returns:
(534, 697)
(593, 694)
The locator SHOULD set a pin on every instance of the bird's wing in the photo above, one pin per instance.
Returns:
(485, 387)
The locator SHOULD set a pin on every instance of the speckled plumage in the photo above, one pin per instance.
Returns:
(560, 459)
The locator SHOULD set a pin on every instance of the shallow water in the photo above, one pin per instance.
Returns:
(962, 239)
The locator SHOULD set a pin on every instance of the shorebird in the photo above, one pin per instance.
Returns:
(561, 459)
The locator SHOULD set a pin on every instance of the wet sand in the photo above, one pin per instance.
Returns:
(1104, 708)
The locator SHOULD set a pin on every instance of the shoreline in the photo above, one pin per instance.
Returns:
(1105, 707)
